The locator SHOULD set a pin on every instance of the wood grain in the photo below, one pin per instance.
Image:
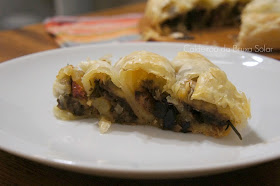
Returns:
(18, 171)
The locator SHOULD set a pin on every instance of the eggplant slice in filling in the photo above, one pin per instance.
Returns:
(152, 100)
(108, 101)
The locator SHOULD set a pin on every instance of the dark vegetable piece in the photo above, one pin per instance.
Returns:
(234, 129)
(160, 109)
(185, 126)
(71, 104)
(102, 89)
(169, 119)
(76, 108)
(195, 18)
(97, 91)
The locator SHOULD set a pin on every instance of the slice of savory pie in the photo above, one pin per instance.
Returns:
(210, 101)
(189, 94)
(71, 96)
(96, 95)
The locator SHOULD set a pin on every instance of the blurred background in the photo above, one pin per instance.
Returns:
(17, 13)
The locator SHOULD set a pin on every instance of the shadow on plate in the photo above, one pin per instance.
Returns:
(155, 135)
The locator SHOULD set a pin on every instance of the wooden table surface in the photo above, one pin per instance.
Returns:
(16, 170)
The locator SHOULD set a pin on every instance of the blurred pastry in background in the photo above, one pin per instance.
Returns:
(260, 25)
(259, 20)
(177, 18)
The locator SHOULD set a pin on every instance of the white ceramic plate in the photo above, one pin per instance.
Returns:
(29, 129)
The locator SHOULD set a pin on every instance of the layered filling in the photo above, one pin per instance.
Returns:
(153, 100)
(105, 100)
(206, 113)
(76, 101)
(225, 14)
(202, 116)
(108, 99)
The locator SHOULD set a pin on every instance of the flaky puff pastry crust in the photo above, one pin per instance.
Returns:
(62, 86)
(260, 25)
(139, 66)
(103, 72)
(204, 86)
(95, 70)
